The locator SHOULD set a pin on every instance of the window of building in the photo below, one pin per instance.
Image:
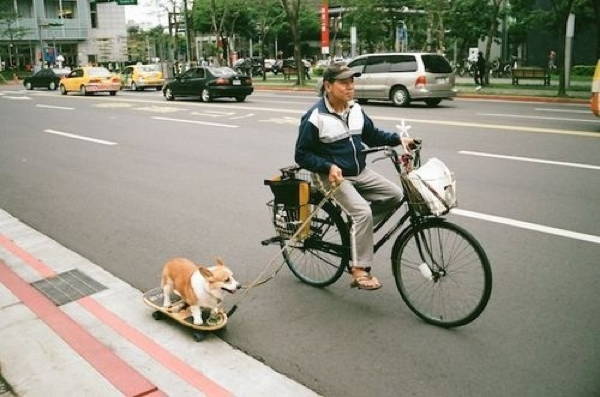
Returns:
(54, 11)
(94, 14)
(69, 9)
(25, 8)
(52, 8)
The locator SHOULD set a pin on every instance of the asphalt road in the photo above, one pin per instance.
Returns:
(185, 178)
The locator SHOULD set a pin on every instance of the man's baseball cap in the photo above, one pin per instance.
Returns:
(338, 71)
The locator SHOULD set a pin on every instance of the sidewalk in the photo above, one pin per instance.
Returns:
(103, 343)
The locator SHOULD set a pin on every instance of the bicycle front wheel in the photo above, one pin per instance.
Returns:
(442, 273)
(320, 259)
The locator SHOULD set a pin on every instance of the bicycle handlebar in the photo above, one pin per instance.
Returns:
(407, 159)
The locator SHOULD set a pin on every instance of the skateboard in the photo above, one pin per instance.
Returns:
(154, 299)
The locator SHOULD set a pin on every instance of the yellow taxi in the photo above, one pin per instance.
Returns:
(138, 77)
(595, 104)
(90, 79)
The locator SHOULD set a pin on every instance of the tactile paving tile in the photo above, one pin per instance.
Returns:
(68, 287)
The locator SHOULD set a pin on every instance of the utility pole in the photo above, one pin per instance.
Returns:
(188, 43)
(570, 32)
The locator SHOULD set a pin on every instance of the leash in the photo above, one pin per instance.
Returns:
(256, 281)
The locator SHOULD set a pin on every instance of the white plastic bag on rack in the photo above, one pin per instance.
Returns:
(436, 186)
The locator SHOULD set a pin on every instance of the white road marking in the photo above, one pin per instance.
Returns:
(196, 122)
(39, 105)
(159, 109)
(81, 137)
(385, 118)
(515, 128)
(283, 120)
(562, 110)
(220, 113)
(520, 116)
(16, 98)
(245, 116)
(529, 159)
(206, 114)
(110, 105)
(529, 226)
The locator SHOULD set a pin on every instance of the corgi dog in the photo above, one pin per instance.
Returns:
(197, 285)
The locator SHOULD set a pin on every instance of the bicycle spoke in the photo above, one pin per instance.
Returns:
(458, 290)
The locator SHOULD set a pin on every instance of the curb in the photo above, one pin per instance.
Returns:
(523, 98)
(105, 343)
(505, 97)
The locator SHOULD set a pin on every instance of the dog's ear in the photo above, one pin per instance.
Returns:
(219, 261)
(205, 272)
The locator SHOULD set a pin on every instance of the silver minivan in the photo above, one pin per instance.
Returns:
(403, 78)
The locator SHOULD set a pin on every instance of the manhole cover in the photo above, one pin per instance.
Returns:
(68, 287)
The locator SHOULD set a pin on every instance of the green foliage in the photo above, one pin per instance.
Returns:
(583, 70)
(318, 71)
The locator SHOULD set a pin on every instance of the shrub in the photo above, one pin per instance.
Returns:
(318, 70)
(583, 70)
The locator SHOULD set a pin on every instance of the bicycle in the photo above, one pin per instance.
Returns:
(441, 271)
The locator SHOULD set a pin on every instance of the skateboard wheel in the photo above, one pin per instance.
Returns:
(199, 336)
(157, 315)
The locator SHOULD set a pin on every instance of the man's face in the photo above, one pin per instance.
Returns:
(340, 90)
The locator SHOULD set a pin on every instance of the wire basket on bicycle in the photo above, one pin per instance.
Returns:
(291, 203)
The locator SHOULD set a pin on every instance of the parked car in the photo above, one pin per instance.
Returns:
(139, 77)
(595, 102)
(90, 79)
(208, 83)
(402, 78)
(48, 78)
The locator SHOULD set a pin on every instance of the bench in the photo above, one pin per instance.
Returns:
(530, 72)
(289, 71)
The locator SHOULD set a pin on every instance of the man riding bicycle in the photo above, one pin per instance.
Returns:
(331, 137)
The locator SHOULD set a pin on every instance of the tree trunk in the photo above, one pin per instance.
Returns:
(292, 10)
(562, 17)
(490, 38)
(561, 56)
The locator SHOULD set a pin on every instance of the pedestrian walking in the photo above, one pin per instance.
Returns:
(479, 74)
(551, 61)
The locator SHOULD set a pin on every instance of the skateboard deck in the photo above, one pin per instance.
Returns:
(154, 299)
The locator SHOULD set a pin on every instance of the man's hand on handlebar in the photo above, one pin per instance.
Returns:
(335, 175)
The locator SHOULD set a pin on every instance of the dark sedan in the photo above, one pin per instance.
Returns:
(208, 83)
(47, 78)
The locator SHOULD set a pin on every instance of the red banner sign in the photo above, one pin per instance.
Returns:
(325, 28)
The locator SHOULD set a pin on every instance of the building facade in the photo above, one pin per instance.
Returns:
(81, 31)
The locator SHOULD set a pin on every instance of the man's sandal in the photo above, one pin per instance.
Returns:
(365, 281)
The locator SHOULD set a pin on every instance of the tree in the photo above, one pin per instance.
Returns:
(8, 19)
(292, 12)
(596, 5)
(268, 16)
(555, 19)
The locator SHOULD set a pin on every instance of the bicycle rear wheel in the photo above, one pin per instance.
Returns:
(457, 286)
(321, 258)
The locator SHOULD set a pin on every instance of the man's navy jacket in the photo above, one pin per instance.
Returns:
(326, 139)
